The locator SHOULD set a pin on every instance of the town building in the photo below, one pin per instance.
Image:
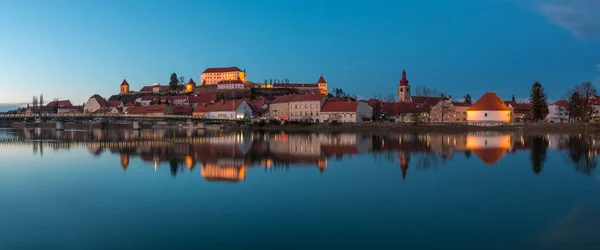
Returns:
(346, 111)
(405, 112)
(520, 112)
(231, 84)
(489, 109)
(152, 110)
(306, 107)
(190, 86)
(231, 109)
(280, 107)
(159, 89)
(448, 111)
(212, 76)
(558, 112)
(94, 103)
(404, 89)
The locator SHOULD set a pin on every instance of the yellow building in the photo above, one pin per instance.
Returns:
(212, 76)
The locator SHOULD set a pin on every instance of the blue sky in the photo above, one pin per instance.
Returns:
(71, 49)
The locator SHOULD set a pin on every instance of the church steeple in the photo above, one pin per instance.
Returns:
(403, 89)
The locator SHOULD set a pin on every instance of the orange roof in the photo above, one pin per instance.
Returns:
(222, 70)
(340, 106)
(124, 82)
(321, 80)
(489, 101)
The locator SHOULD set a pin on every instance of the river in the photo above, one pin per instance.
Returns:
(188, 189)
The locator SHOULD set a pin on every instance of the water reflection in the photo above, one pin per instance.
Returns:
(226, 157)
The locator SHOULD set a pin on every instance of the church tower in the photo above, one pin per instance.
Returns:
(124, 87)
(403, 89)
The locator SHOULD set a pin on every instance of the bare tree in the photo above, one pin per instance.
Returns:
(425, 91)
(390, 98)
(41, 101)
(442, 109)
(181, 80)
(34, 102)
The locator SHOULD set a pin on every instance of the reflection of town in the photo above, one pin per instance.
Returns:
(227, 157)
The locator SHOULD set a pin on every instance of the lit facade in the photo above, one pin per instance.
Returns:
(213, 76)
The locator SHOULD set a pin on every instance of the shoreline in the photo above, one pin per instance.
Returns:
(373, 127)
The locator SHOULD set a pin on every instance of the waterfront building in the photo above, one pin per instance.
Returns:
(346, 111)
(489, 109)
(212, 76)
(231, 109)
(279, 108)
(558, 112)
(448, 111)
(306, 107)
(520, 112)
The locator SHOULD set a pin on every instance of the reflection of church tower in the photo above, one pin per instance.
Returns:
(322, 164)
(403, 89)
(403, 161)
(124, 161)
(190, 162)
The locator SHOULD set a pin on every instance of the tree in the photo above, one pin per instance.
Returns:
(266, 81)
(174, 81)
(425, 91)
(539, 102)
(389, 98)
(41, 100)
(181, 80)
(586, 92)
(468, 99)
(574, 108)
(34, 102)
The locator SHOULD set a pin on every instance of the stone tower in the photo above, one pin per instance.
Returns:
(322, 85)
(124, 87)
(403, 89)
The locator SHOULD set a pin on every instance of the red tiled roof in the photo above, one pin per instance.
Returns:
(113, 103)
(429, 100)
(321, 80)
(60, 104)
(489, 101)
(222, 70)
(350, 106)
(191, 82)
(203, 97)
(99, 99)
(124, 82)
(283, 99)
(395, 108)
(230, 82)
(562, 103)
(295, 85)
(222, 106)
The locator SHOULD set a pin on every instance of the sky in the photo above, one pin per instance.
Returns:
(72, 49)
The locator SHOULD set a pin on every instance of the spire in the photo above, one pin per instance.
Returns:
(404, 81)
(124, 82)
(191, 82)
(321, 80)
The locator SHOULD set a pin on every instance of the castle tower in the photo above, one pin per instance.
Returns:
(322, 85)
(403, 89)
(190, 86)
(124, 87)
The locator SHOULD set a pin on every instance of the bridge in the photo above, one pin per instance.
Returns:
(134, 118)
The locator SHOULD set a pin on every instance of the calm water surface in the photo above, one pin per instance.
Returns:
(184, 189)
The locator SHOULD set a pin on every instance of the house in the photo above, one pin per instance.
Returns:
(231, 109)
(152, 110)
(159, 89)
(94, 103)
(280, 107)
(448, 111)
(350, 111)
(259, 107)
(202, 97)
(489, 109)
(405, 112)
(520, 112)
(71, 110)
(306, 107)
(558, 112)
(182, 109)
(114, 104)
(60, 104)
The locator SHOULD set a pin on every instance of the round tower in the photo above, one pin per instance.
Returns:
(124, 87)
(403, 89)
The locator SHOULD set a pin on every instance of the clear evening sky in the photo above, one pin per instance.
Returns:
(72, 49)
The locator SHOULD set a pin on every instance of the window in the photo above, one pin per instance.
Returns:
(401, 90)
(485, 114)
